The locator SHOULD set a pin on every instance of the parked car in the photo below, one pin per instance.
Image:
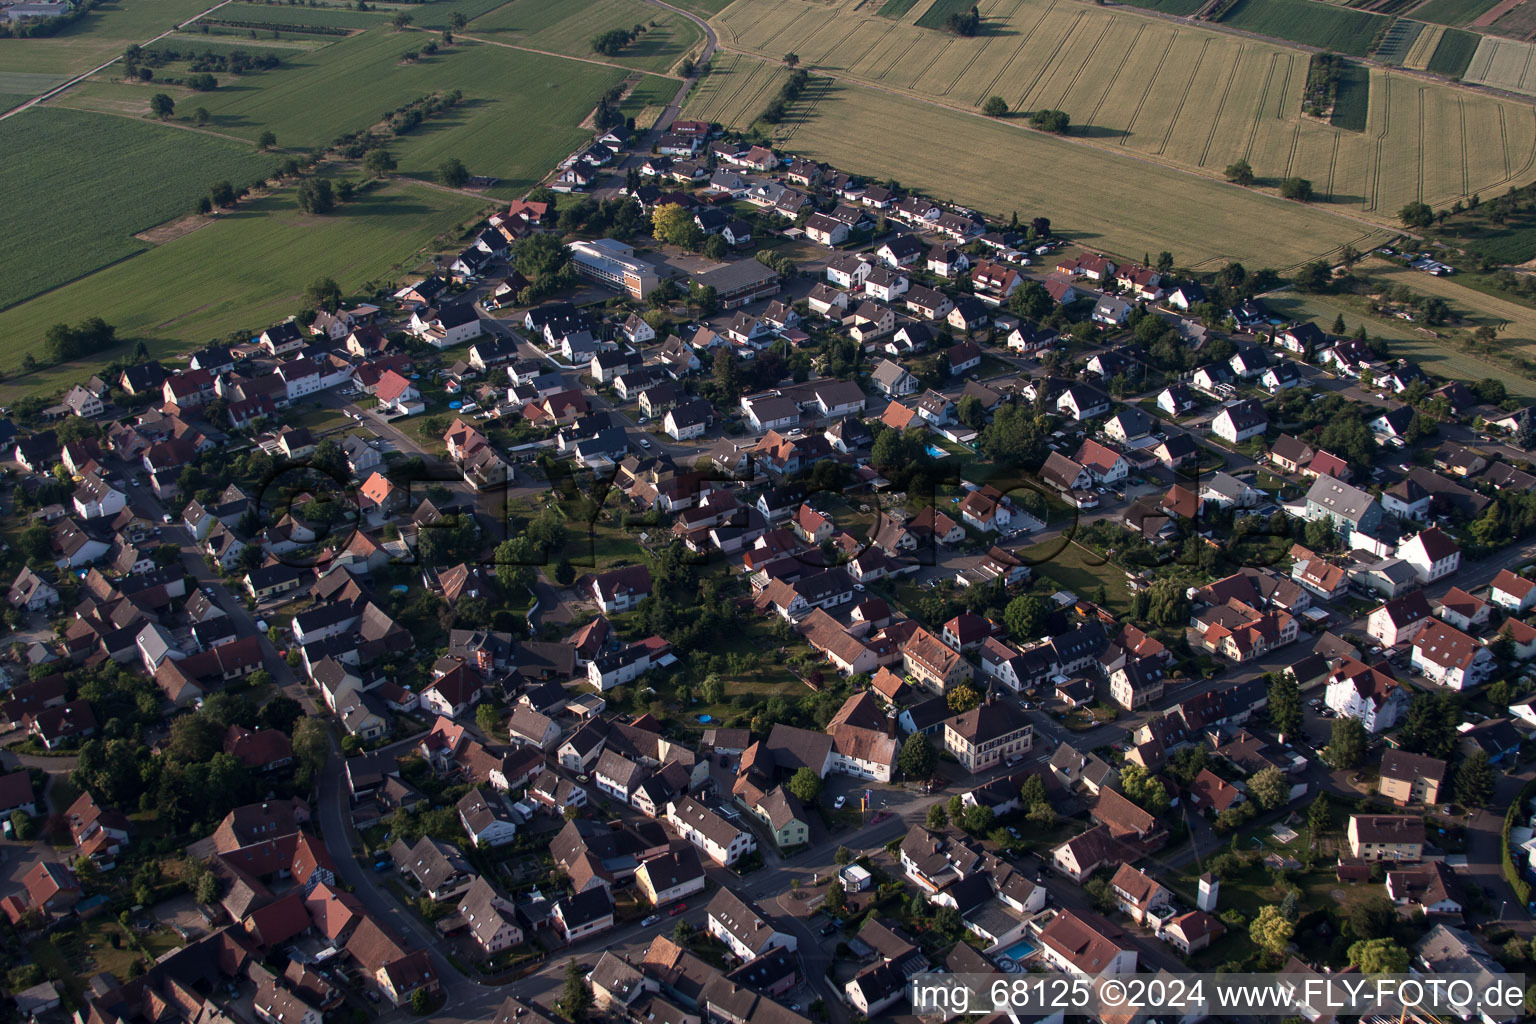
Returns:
(837, 804)
(650, 920)
(677, 910)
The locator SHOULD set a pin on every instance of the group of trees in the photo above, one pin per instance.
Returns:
(790, 91)
(62, 342)
(1057, 122)
(612, 42)
(964, 23)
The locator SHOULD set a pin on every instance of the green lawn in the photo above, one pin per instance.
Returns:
(1330, 26)
(1075, 568)
(241, 272)
(648, 99)
(62, 178)
(1436, 358)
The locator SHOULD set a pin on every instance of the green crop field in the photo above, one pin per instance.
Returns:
(1183, 8)
(519, 118)
(1303, 21)
(283, 14)
(1454, 53)
(241, 272)
(938, 12)
(703, 8)
(1399, 41)
(1117, 203)
(1352, 106)
(75, 187)
(895, 8)
(647, 99)
(1451, 12)
(569, 27)
(105, 31)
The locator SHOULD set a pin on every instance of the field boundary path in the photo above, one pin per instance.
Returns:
(551, 53)
(34, 101)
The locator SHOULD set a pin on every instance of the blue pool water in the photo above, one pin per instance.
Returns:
(1019, 950)
(937, 452)
(705, 719)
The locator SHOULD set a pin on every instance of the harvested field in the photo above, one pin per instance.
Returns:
(1124, 204)
(1178, 94)
(1518, 22)
(1504, 64)
(1451, 12)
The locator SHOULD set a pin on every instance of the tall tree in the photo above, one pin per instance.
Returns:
(1270, 931)
(1285, 705)
(1269, 787)
(162, 106)
(1346, 747)
(575, 996)
(916, 759)
(1474, 781)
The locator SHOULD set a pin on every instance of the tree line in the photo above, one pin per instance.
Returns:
(612, 42)
(778, 107)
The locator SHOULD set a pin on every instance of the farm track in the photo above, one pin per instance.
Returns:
(561, 56)
(1205, 151)
(1290, 158)
(1461, 116)
(1420, 146)
(1333, 163)
(1173, 121)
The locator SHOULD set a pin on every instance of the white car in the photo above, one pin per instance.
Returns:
(837, 804)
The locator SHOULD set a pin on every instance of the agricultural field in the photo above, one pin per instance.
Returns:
(1106, 199)
(1454, 53)
(938, 12)
(284, 14)
(703, 8)
(1304, 21)
(1399, 41)
(647, 99)
(568, 27)
(520, 116)
(1504, 64)
(1519, 22)
(1182, 8)
(1351, 107)
(1176, 94)
(182, 293)
(1423, 48)
(105, 32)
(895, 8)
(64, 211)
(735, 91)
(1405, 340)
(1451, 12)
